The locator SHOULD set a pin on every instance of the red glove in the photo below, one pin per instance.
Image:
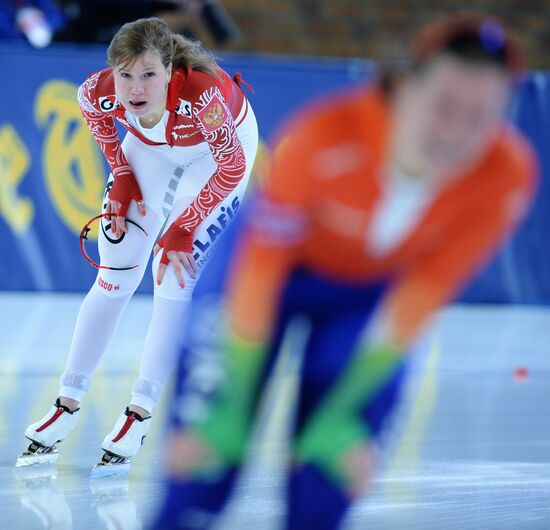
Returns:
(175, 238)
(125, 189)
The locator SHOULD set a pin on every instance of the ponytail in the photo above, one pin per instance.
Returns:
(192, 54)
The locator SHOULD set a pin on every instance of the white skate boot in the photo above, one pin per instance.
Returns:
(56, 425)
(121, 444)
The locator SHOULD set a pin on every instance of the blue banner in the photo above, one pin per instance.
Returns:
(52, 174)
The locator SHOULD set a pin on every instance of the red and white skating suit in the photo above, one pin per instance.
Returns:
(192, 169)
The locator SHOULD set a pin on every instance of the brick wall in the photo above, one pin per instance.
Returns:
(372, 28)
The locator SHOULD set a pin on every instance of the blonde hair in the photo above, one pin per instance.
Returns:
(146, 34)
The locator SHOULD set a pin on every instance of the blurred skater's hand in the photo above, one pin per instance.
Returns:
(186, 453)
(358, 466)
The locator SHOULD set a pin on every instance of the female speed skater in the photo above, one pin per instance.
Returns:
(179, 173)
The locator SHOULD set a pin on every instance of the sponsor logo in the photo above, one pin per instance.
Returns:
(179, 136)
(107, 103)
(184, 108)
(106, 285)
(204, 246)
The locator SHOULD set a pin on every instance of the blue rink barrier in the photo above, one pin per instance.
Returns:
(52, 174)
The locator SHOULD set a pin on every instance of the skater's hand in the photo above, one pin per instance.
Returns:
(124, 190)
(186, 453)
(177, 249)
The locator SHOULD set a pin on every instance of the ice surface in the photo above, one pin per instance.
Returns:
(470, 447)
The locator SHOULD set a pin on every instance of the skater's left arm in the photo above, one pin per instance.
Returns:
(335, 428)
(438, 276)
(212, 116)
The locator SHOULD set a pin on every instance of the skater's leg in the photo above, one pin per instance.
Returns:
(163, 343)
(311, 487)
(318, 496)
(97, 321)
(313, 500)
(102, 309)
(194, 504)
(202, 468)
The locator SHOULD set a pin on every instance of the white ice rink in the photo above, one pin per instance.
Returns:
(470, 449)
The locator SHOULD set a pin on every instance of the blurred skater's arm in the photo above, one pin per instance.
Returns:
(271, 246)
(436, 278)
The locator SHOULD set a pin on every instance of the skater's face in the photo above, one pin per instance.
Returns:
(142, 86)
(450, 113)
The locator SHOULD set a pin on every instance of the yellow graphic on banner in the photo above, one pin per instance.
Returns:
(14, 162)
(71, 160)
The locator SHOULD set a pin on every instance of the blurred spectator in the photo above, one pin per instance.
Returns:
(98, 21)
(31, 20)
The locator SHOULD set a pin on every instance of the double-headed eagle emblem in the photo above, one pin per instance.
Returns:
(214, 116)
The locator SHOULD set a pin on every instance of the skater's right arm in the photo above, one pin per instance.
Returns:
(102, 126)
(271, 245)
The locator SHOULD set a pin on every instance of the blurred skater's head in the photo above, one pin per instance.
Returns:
(143, 54)
(454, 97)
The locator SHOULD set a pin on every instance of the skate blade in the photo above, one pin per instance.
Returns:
(31, 459)
(110, 470)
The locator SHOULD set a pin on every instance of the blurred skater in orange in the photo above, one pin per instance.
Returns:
(381, 203)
